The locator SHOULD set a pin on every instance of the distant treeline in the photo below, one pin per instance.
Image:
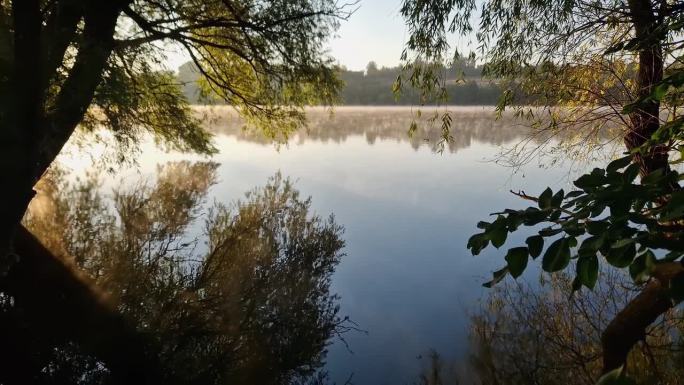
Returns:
(373, 87)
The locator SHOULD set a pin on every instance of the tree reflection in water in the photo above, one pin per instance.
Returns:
(247, 301)
(527, 334)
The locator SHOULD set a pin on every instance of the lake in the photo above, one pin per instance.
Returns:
(406, 279)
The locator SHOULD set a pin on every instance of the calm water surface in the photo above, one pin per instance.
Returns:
(407, 279)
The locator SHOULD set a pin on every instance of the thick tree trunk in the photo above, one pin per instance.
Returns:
(32, 137)
(645, 120)
(629, 326)
(21, 103)
(55, 305)
(52, 304)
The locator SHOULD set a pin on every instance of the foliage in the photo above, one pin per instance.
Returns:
(264, 58)
(641, 217)
(626, 235)
(624, 221)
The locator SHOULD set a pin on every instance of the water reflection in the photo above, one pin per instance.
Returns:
(384, 123)
(247, 301)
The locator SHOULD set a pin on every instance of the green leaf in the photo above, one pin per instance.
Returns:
(532, 216)
(642, 267)
(477, 242)
(557, 199)
(576, 284)
(675, 206)
(591, 245)
(498, 236)
(557, 256)
(535, 244)
(587, 270)
(672, 256)
(594, 179)
(517, 260)
(497, 277)
(597, 210)
(653, 177)
(621, 257)
(483, 225)
(619, 163)
(574, 194)
(549, 232)
(545, 199)
(620, 243)
(615, 48)
(596, 227)
(659, 91)
(497, 231)
(631, 173)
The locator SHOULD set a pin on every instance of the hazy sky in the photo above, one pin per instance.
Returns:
(375, 32)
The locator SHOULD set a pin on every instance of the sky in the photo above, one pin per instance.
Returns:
(375, 32)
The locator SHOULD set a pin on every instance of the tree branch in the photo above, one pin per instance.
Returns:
(629, 326)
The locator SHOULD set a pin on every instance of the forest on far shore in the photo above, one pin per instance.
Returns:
(373, 87)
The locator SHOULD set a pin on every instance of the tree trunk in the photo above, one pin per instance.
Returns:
(32, 138)
(645, 120)
(21, 103)
(629, 326)
(54, 305)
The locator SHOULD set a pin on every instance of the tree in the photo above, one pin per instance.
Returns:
(593, 66)
(67, 63)
(371, 68)
(246, 301)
